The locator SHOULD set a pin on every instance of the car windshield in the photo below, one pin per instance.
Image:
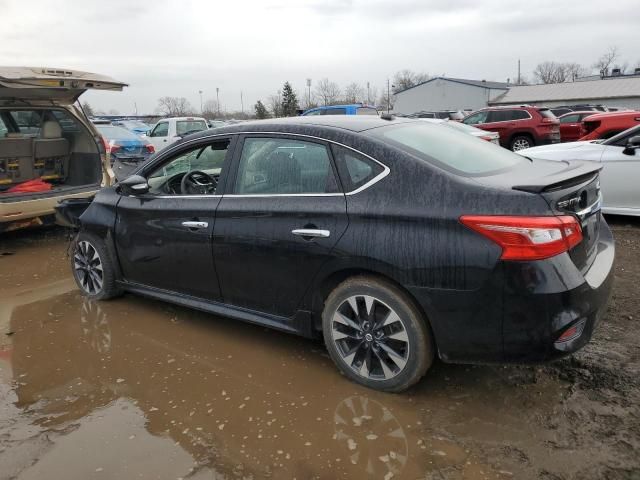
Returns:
(615, 140)
(451, 150)
(184, 126)
(111, 132)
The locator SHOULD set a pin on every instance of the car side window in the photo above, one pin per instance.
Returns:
(476, 118)
(335, 111)
(280, 166)
(499, 116)
(519, 115)
(28, 121)
(315, 112)
(3, 128)
(209, 160)
(355, 169)
(570, 119)
(161, 130)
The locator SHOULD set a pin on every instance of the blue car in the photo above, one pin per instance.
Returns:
(352, 109)
(135, 126)
(126, 149)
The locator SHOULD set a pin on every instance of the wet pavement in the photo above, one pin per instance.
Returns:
(135, 388)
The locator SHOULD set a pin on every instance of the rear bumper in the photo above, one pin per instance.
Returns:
(548, 300)
(17, 212)
(523, 309)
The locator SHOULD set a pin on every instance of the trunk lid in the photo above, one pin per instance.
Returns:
(61, 86)
(569, 188)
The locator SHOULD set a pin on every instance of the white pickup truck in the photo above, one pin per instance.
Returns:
(170, 130)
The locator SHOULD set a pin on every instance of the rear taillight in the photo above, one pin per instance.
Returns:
(150, 148)
(527, 238)
(113, 148)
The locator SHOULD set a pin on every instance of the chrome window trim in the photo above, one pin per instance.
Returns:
(386, 170)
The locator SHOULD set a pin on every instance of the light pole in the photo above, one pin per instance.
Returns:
(218, 100)
(200, 92)
(309, 94)
(241, 102)
(368, 95)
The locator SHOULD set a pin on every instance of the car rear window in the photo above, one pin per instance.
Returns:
(116, 133)
(184, 126)
(546, 113)
(449, 149)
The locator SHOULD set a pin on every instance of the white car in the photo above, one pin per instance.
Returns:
(620, 159)
(170, 130)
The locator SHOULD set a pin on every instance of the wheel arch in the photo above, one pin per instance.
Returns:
(522, 133)
(330, 281)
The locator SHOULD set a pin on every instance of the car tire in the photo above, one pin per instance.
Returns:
(520, 142)
(376, 335)
(92, 267)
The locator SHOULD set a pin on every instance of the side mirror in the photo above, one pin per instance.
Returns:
(632, 145)
(134, 185)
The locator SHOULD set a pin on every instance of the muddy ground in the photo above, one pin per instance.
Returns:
(134, 388)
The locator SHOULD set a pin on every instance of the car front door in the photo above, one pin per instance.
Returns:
(570, 127)
(277, 223)
(163, 237)
(159, 136)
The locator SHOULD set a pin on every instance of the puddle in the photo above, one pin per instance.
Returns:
(137, 388)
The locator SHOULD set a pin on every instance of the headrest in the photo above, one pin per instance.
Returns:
(51, 129)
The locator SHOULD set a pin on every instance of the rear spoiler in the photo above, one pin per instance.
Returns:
(582, 172)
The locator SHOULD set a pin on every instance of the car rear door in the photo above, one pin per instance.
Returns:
(163, 237)
(619, 177)
(278, 222)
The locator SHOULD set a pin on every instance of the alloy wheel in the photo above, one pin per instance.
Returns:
(520, 144)
(370, 337)
(88, 267)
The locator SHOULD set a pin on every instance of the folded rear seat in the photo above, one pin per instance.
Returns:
(16, 159)
(51, 152)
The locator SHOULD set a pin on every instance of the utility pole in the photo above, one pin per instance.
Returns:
(135, 107)
(200, 92)
(519, 79)
(218, 100)
(368, 95)
(309, 92)
(388, 97)
(241, 102)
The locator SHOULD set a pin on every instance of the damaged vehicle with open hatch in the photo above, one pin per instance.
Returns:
(49, 150)
(395, 240)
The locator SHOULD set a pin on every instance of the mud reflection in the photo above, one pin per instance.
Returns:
(208, 397)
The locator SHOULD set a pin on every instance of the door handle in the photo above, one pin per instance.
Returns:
(195, 225)
(311, 232)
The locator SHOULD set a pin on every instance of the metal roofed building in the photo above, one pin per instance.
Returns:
(444, 93)
(620, 92)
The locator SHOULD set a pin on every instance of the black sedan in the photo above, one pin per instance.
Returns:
(395, 239)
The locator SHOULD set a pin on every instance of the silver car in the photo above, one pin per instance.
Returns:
(620, 161)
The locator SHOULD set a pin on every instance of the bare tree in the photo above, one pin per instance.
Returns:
(210, 109)
(327, 92)
(372, 95)
(174, 106)
(275, 104)
(550, 72)
(606, 60)
(406, 79)
(386, 102)
(575, 70)
(353, 93)
(88, 110)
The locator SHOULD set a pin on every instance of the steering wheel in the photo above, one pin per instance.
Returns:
(197, 182)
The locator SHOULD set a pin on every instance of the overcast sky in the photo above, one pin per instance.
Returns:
(177, 48)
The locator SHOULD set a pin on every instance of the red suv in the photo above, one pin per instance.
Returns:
(606, 125)
(519, 127)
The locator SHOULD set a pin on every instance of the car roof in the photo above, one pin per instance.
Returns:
(598, 115)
